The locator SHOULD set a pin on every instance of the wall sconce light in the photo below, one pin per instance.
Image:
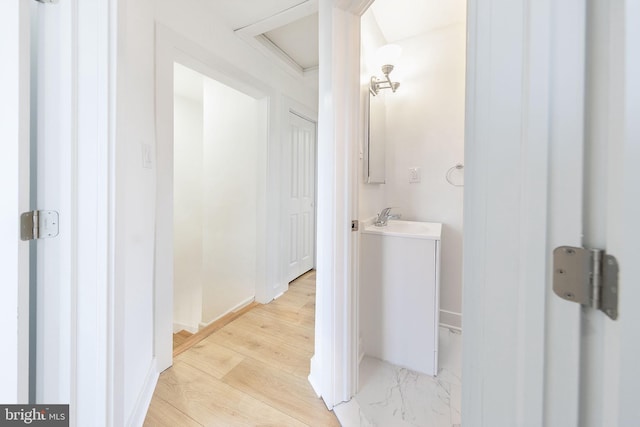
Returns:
(386, 56)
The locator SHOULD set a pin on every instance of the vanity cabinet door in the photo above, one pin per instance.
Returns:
(399, 300)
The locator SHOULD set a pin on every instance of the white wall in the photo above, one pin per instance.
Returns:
(234, 135)
(134, 211)
(188, 213)
(135, 186)
(425, 129)
(219, 141)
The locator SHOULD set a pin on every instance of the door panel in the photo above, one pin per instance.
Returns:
(14, 197)
(523, 145)
(302, 181)
(293, 240)
(628, 208)
(611, 349)
(53, 102)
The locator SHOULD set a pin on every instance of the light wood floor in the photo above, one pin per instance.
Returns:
(251, 372)
(180, 337)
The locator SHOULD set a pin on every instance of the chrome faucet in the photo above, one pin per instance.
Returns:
(384, 216)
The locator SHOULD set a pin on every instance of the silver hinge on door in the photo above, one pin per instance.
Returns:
(47, 1)
(355, 225)
(588, 277)
(39, 225)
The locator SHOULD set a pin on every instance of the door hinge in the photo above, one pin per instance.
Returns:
(355, 225)
(588, 277)
(47, 1)
(39, 225)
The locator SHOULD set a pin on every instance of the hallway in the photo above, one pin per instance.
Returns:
(251, 372)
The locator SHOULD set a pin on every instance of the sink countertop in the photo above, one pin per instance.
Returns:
(410, 229)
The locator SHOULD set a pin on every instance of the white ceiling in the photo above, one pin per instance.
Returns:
(299, 40)
(284, 29)
(241, 13)
(288, 29)
(401, 19)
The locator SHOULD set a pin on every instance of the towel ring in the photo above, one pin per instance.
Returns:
(459, 167)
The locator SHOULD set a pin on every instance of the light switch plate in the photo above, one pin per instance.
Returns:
(414, 175)
(147, 156)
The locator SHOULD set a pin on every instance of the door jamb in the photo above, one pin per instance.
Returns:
(334, 366)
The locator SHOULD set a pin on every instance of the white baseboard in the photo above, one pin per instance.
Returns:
(451, 319)
(237, 307)
(177, 327)
(139, 412)
(312, 376)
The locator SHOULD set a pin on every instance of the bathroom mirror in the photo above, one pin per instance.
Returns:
(375, 142)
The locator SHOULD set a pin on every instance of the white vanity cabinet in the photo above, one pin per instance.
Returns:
(399, 293)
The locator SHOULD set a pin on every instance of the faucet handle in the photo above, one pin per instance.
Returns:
(387, 211)
(384, 214)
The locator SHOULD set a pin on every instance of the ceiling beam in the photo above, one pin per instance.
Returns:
(254, 35)
(280, 19)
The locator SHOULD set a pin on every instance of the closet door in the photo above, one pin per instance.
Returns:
(301, 160)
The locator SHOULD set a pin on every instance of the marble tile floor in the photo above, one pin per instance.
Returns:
(391, 396)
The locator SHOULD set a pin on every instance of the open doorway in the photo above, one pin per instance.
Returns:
(220, 137)
(261, 333)
(410, 259)
(225, 196)
(258, 175)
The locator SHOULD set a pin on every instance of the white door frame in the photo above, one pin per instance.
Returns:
(524, 158)
(90, 85)
(14, 197)
(334, 363)
(88, 102)
(94, 340)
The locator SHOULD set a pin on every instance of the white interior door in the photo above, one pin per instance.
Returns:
(627, 206)
(72, 130)
(599, 353)
(610, 349)
(553, 101)
(14, 199)
(36, 103)
(300, 157)
(53, 129)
